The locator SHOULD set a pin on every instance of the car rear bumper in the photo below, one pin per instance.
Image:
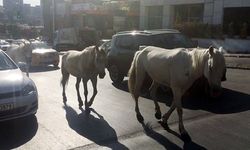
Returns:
(22, 106)
(45, 60)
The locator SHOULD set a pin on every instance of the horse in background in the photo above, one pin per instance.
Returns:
(177, 69)
(84, 65)
(21, 52)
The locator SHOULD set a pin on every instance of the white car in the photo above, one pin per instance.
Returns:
(43, 54)
(18, 93)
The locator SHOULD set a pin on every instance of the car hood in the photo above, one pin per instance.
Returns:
(43, 51)
(12, 80)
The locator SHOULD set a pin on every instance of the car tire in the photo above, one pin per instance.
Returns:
(115, 74)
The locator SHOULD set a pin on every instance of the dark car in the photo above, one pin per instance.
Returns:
(105, 45)
(125, 44)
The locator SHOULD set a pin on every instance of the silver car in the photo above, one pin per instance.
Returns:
(18, 93)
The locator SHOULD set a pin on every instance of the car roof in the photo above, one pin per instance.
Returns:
(148, 32)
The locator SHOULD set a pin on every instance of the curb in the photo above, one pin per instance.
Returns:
(237, 55)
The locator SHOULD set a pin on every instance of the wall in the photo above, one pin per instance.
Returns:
(229, 45)
(213, 10)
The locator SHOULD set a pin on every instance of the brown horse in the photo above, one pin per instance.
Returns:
(84, 65)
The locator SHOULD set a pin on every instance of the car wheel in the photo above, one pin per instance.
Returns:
(115, 75)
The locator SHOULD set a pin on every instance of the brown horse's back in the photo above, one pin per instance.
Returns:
(78, 63)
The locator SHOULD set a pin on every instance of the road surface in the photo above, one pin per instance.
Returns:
(218, 124)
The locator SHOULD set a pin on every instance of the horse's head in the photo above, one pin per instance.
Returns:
(100, 62)
(215, 71)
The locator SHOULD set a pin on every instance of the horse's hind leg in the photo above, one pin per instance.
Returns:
(153, 90)
(140, 75)
(65, 77)
(78, 80)
(94, 82)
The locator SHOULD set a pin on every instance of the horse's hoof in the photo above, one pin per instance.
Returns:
(87, 110)
(86, 107)
(80, 105)
(158, 115)
(185, 137)
(164, 125)
(64, 99)
(140, 118)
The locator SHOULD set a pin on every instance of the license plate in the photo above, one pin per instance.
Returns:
(5, 107)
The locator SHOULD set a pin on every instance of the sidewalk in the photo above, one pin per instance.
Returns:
(238, 55)
(238, 61)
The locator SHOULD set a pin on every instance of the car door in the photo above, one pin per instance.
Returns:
(126, 48)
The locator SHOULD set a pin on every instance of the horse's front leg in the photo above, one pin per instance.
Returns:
(153, 90)
(78, 80)
(28, 64)
(85, 81)
(94, 83)
(178, 103)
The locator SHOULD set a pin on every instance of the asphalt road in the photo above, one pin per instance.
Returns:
(217, 124)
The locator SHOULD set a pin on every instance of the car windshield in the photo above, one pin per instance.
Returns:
(6, 63)
(171, 40)
(40, 45)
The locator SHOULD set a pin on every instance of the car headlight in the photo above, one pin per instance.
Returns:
(28, 90)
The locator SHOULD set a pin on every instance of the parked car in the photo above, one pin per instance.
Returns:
(105, 45)
(4, 45)
(125, 44)
(43, 54)
(18, 93)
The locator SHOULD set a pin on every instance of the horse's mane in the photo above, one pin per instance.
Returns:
(199, 56)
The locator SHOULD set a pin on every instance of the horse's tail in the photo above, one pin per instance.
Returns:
(132, 75)
(65, 74)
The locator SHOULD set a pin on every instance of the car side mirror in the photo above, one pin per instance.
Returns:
(22, 66)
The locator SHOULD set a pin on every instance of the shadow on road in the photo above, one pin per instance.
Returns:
(190, 145)
(17, 132)
(42, 69)
(94, 127)
(230, 102)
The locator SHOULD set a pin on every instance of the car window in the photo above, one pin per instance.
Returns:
(171, 40)
(37, 45)
(143, 40)
(182, 41)
(6, 63)
(126, 42)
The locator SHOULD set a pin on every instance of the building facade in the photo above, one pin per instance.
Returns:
(13, 10)
(105, 16)
(165, 13)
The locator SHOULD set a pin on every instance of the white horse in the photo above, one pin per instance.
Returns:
(84, 65)
(177, 69)
(21, 53)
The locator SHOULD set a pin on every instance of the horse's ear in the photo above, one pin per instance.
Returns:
(211, 50)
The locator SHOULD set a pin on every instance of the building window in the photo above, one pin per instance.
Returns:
(155, 17)
(236, 20)
(188, 13)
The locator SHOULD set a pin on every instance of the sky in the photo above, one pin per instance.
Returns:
(32, 2)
